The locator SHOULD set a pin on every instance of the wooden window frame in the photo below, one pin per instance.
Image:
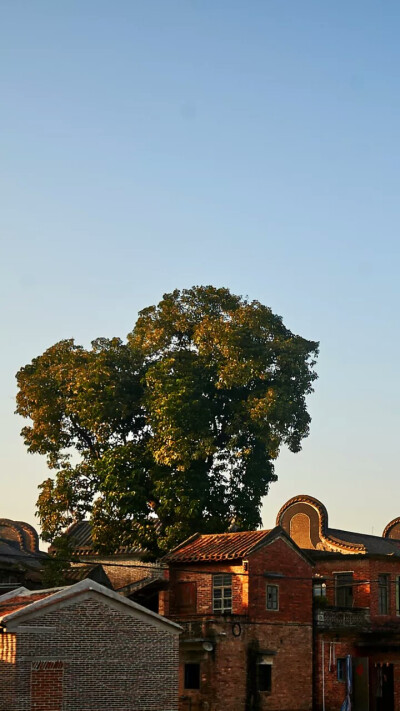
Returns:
(383, 594)
(272, 608)
(339, 588)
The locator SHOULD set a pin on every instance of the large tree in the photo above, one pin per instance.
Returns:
(174, 431)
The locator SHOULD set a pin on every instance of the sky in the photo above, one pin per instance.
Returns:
(148, 146)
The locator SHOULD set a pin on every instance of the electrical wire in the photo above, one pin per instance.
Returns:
(272, 575)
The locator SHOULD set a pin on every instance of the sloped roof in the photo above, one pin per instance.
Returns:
(80, 572)
(392, 530)
(22, 598)
(318, 537)
(19, 545)
(219, 546)
(84, 589)
(155, 582)
(373, 545)
(81, 540)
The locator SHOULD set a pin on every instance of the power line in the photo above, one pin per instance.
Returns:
(267, 575)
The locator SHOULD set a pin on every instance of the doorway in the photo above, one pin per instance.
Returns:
(383, 687)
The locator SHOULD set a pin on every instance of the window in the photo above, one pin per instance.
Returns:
(222, 592)
(272, 597)
(341, 669)
(192, 676)
(186, 594)
(344, 589)
(264, 676)
(383, 594)
(319, 589)
(398, 595)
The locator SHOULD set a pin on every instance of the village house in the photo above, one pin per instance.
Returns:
(245, 603)
(124, 571)
(278, 619)
(356, 607)
(85, 648)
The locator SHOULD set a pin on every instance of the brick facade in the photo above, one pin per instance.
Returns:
(361, 631)
(85, 654)
(229, 648)
(308, 637)
(280, 645)
(8, 649)
(357, 615)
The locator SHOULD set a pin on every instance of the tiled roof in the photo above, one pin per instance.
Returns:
(19, 601)
(373, 545)
(81, 540)
(81, 572)
(19, 545)
(320, 539)
(220, 546)
(152, 581)
(23, 603)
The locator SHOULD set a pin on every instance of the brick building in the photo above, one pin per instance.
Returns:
(356, 607)
(271, 619)
(124, 571)
(245, 603)
(85, 648)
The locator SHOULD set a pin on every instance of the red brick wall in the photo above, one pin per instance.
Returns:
(365, 590)
(295, 585)
(360, 567)
(47, 686)
(335, 691)
(202, 575)
(7, 671)
(111, 661)
(228, 671)
(346, 641)
(225, 674)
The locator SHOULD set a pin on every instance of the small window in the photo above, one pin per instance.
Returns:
(264, 676)
(344, 589)
(272, 597)
(341, 669)
(222, 592)
(192, 676)
(319, 589)
(383, 594)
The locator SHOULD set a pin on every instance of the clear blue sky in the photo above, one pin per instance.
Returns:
(254, 145)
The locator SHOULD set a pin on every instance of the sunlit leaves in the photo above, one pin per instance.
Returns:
(180, 425)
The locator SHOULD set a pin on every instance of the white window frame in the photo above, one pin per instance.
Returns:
(222, 582)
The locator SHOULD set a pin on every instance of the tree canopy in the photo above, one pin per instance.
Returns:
(173, 431)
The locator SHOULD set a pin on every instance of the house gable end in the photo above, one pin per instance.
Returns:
(278, 533)
(87, 590)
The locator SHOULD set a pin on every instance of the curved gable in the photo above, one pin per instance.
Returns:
(305, 520)
(20, 535)
(392, 530)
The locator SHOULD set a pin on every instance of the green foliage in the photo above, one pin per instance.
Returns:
(179, 425)
(57, 565)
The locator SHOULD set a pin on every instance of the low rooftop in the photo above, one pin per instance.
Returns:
(219, 546)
